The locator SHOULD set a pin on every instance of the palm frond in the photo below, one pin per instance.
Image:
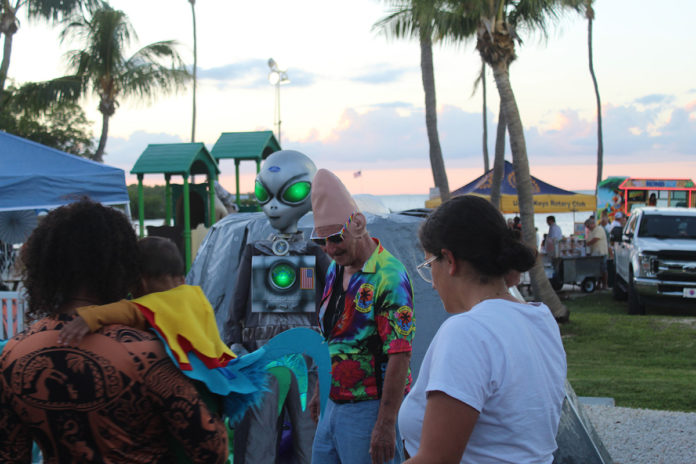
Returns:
(399, 24)
(56, 10)
(538, 15)
(146, 80)
(444, 20)
(41, 96)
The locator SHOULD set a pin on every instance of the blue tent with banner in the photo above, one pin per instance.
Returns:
(547, 198)
(34, 176)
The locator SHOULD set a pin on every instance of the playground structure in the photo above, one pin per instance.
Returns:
(189, 204)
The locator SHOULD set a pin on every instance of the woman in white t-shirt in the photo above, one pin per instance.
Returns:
(491, 385)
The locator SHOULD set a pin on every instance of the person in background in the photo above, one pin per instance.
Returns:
(652, 201)
(553, 236)
(597, 242)
(616, 227)
(606, 226)
(116, 397)
(491, 384)
(367, 318)
(604, 221)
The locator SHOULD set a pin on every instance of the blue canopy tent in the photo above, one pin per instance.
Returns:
(547, 198)
(34, 176)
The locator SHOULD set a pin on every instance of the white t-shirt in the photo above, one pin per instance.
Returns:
(505, 360)
(555, 232)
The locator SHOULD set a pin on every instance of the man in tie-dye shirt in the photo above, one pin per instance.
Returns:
(367, 318)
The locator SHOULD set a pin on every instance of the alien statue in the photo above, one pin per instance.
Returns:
(279, 284)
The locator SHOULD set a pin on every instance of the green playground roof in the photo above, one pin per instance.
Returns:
(176, 158)
(255, 145)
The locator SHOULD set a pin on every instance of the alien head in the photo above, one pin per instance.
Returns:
(283, 188)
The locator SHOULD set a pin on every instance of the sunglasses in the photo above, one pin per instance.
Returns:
(333, 238)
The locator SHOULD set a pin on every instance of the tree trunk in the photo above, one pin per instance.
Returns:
(484, 111)
(436, 162)
(540, 284)
(5, 66)
(600, 142)
(499, 160)
(99, 155)
(195, 66)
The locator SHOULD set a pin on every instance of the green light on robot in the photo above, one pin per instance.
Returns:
(283, 276)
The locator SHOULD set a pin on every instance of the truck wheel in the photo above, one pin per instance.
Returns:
(635, 306)
(617, 290)
(588, 285)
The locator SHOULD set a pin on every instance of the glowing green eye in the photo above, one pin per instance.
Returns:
(297, 192)
(261, 192)
(283, 276)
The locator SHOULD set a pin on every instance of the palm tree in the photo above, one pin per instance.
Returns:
(498, 22)
(104, 69)
(589, 14)
(195, 66)
(417, 19)
(49, 10)
(484, 114)
(499, 159)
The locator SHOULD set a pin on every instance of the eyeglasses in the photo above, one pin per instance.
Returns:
(333, 238)
(425, 269)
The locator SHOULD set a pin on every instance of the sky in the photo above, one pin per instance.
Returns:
(355, 99)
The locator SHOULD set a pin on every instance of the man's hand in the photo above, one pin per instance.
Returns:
(383, 443)
(314, 406)
(73, 332)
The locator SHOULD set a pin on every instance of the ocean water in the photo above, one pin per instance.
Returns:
(565, 221)
(414, 201)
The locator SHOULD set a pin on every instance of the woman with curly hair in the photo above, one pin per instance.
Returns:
(491, 384)
(115, 397)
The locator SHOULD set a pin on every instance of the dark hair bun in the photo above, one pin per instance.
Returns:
(474, 231)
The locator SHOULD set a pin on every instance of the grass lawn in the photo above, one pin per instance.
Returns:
(640, 361)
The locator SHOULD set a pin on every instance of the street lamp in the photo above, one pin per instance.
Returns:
(276, 77)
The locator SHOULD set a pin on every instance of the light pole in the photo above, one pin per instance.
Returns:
(276, 77)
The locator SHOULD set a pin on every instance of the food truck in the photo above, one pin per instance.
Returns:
(626, 193)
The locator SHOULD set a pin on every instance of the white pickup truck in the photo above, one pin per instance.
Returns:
(655, 258)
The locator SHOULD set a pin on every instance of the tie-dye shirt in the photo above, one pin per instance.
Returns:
(377, 317)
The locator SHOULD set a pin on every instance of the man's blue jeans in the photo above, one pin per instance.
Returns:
(344, 433)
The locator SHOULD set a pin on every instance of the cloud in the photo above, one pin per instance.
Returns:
(383, 76)
(233, 71)
(252, 74)
(392, 135)
(123, 153)
(386, 136)
(655, 99)
(395, 104)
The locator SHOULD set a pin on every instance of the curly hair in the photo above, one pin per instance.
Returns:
(83, 245)
(475, 232)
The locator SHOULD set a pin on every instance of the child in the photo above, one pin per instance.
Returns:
(182, 316)
(179, 313)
